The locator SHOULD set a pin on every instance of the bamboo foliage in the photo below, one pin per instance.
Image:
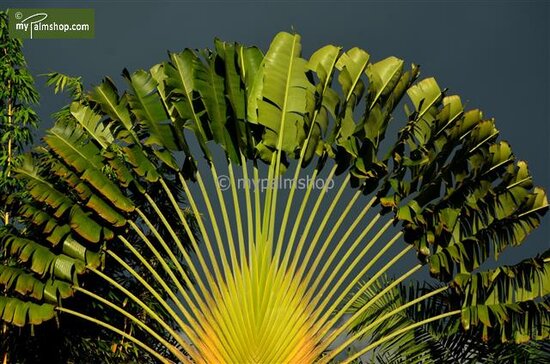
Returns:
(273, 275)
(17, 117)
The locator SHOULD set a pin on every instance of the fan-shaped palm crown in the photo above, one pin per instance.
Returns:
(277, 270)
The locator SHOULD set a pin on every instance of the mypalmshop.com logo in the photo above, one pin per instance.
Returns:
(51, 23)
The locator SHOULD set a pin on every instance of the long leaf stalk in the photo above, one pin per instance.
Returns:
(293, 293)
(249, 209)
(359, 312)
(238, 216)
(305, 282)
(236, 266)
(154, 315)
(214, 221)
(116, 330)
(204, 234)
(196, 312)
(225, 321)
(225, 218)
(296, 226)
(311, 219)
(315, 241)
(341, 311)
(245, 323)
(144, 326)
(197, 296)
(299, 167)
(327, 261)
(196, 248)
(333, 353)
(399, 332)
(388, 315)
(248, 295)
(228, 321)
(177, 301)
(331, 295)
(176, 263)
(343, 260)
(162, 261)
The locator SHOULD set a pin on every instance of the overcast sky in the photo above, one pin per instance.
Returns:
(494, 54)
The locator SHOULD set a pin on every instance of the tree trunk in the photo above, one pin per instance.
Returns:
(8, 163)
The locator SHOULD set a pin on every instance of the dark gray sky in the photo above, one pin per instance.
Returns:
(494, 54)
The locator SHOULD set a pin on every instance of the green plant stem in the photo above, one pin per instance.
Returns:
(333, 231)
(174, 259)
(309, 223)
(397, 333)
(190, 284)
(141, 344)
(215, 227)
(356, 336)
(194, 244)
(207, 242)
(248, 202)
(305, 263)
(155, 293)
(186, 329)
(299, 168)
(178, 354)
(350, 320)
(334, 288)
(245, 320)
(237, 321)
(341, 311)
(238, 216)
(334, 253)
(159, 257)
(227, 322)
(225, 219)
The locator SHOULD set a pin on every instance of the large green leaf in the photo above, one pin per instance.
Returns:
(506, 301)
(282, 96)
(21, 313)
(148, 109)
(18, 280)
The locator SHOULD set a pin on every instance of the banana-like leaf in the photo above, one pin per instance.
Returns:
(148, 109)
(19, 281)
(90, 122)
(282, 96)
(21, 313)
(179, 88)
(447, 341)
(322, 63)
(509, 302)
(106, 95)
